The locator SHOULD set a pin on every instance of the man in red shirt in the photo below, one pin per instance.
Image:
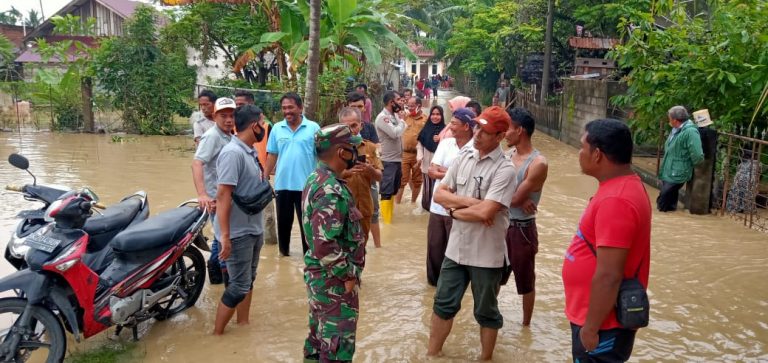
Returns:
(617, 225)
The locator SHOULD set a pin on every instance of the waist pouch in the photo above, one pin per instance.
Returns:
(258, 201)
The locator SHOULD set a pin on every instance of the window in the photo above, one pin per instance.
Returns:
(434, 68)
(413, 67)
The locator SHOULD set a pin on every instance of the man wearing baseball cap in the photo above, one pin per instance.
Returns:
(336, 254)
(205, 177)
(476, 191)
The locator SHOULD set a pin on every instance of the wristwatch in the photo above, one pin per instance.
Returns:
(450, 212)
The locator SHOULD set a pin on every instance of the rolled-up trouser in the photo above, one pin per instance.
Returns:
(411, 172)
(522, 247)
(241, 266)
(333, 314)
(452, 285)
(668, 196)
(438, 230)
(375, 197)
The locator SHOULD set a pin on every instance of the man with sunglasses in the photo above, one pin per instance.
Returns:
(476, 191)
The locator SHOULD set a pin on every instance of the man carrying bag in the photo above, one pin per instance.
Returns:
(606, 267)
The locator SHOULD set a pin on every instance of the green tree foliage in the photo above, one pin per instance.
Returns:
(6, 59)
(716, 60)
(10, 17)
(148, 80)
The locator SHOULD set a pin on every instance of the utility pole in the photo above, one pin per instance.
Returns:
(547, 53)
(42, 13)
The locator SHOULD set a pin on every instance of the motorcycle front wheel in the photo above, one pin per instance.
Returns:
(191, 267)
(42, 341)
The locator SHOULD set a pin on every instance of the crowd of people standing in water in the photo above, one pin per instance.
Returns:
(340, 180)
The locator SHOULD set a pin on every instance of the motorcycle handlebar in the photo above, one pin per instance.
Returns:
(14, 188)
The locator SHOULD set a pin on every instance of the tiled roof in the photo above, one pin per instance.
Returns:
(31, 55)
(421, 51)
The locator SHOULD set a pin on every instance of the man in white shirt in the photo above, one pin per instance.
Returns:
(439, 227)
(202, 120)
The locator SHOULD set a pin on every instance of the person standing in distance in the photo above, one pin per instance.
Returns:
(682, 151)
(390, 130)
(415, 120)
(202, 120)
(291, 149)
(612, 243)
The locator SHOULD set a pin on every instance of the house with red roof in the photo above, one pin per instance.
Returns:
(110, 18)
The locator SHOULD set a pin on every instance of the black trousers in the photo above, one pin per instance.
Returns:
(288, 203)
(668, 196)
(615, 346)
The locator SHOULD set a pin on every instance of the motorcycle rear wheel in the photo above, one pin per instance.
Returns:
(47, 332)
(191, 266)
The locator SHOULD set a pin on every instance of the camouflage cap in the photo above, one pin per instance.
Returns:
(335, 134)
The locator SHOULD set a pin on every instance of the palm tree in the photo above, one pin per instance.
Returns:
(33, 19)
(311, 97)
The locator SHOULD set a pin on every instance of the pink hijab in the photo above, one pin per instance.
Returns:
(458, 102)
(454, 104)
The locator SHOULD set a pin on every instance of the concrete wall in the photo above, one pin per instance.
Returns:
(583, 101)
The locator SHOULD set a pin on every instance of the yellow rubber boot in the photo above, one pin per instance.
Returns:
(386, 210)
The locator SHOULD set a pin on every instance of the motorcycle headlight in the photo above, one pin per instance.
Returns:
(17, 246)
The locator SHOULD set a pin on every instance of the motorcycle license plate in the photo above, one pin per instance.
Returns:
(40, 241)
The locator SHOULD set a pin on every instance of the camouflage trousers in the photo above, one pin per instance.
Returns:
(332, 321)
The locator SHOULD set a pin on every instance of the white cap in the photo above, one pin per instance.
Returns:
(223, 103)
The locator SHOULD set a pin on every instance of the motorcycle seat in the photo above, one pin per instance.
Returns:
(160, 230)
(116, 216)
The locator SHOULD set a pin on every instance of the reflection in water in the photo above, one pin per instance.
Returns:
(709, 288)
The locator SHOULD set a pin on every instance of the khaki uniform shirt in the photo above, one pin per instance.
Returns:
(411, 134)
(360, 184)
(487, 178)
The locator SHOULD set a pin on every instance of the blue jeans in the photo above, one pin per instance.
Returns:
(215, 247)
(242, 263)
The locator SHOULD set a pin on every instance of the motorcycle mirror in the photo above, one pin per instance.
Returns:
(22, 163)
(18, 161)
(90, 193)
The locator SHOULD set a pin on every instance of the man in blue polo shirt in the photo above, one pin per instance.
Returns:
(291, 147)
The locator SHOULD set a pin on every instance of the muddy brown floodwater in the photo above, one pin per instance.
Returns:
(708, 285)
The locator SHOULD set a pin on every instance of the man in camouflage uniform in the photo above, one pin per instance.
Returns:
(336, 254)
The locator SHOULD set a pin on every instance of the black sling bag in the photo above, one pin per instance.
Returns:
(632, 306)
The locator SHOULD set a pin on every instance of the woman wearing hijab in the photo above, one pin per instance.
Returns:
(428, 140)
(454, 104)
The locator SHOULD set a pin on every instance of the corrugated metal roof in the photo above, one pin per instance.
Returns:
(592, 43)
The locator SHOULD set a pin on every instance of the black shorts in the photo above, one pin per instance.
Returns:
(390, 179)
(522, 246)
(615, 346)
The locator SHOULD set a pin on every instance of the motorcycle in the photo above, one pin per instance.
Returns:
(156, 273)
(101, 228)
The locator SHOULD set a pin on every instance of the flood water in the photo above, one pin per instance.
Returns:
(708, 284)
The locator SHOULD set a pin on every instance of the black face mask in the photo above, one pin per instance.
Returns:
(350, 162)
(259, 136)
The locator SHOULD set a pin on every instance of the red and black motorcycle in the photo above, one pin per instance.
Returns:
(156, 273)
